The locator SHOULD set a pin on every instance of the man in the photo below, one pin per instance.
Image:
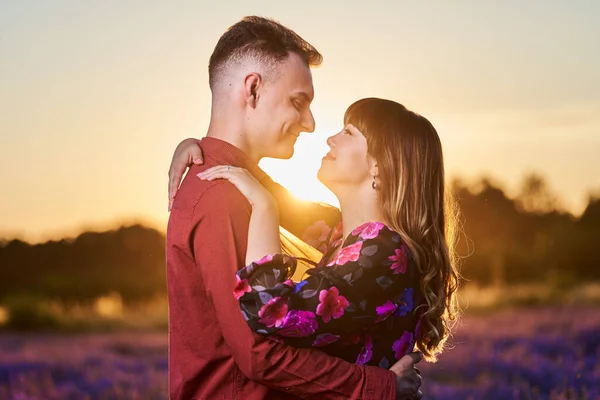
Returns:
(261, 85)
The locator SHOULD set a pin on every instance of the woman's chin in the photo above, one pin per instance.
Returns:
(322, 177)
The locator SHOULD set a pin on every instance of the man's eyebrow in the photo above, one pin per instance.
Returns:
(304, 96)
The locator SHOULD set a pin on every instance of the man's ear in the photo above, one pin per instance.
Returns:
(252, 85)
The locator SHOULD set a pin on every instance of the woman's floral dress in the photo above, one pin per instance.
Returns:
(359, 305)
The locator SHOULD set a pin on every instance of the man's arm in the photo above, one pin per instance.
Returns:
(220, 223)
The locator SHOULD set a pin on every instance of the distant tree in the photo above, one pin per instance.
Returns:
(535, 195)
(129, 260)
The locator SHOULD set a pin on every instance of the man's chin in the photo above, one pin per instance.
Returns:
(282, 154)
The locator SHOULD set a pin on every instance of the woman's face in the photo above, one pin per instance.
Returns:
(347, 163)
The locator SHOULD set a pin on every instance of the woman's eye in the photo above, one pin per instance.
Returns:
(346, 131)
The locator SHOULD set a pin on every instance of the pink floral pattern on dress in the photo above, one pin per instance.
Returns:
(289, 282)
(265, 260)
(332, 304)
(338, 232)
(316, 235)
(369, 230)
(361, 309)
(400, 260)
(385, 310)
(241, 287)
(273, 313)
(348, 254)
(366, 353)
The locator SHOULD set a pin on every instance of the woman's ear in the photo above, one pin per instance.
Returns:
(252, 85)
(373, 170)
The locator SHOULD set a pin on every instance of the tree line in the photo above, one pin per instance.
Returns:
(503, 240)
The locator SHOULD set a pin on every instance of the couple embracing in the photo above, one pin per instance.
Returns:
(340, 304)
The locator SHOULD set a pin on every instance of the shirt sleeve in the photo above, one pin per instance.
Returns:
(370, 280)
(220, 223)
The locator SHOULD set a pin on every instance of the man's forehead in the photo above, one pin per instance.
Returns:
(298, 73)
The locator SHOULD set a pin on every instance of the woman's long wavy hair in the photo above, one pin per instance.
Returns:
(414, 202)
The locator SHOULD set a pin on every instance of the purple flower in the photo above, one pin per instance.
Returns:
(406, 303)
(298, 323)
(385, 310)
(404, 345)
(299, 285)
(325, 339)
(366, 352)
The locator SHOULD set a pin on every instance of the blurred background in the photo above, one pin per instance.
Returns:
(94, 97)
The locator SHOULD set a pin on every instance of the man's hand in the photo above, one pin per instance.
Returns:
(408, 378)
(188, 152)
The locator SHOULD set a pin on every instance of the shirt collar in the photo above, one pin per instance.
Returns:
(221, 152)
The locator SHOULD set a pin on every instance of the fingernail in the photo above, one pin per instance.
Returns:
(200, 175)
(198, 161)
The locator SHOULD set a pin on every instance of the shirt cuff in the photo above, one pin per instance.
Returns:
(380, 384)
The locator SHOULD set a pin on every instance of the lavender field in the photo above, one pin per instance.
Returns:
(540, 353)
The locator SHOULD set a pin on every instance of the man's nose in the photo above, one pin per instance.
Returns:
(308, 122)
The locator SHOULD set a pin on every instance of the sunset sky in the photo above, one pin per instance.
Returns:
(94, 96)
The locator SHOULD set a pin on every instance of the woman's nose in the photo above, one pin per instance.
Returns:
(330, 141)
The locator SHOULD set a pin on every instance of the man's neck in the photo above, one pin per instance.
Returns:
(229, 130)
(358, 206)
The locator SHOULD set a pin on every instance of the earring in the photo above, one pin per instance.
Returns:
(374, 184)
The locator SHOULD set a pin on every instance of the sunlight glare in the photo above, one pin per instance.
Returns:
(299, 174)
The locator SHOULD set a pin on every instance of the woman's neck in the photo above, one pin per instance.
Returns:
(358, 206)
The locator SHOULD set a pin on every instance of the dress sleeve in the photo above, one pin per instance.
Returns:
(310, 221)
(371, 279)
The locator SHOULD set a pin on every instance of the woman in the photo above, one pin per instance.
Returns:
(387, 279)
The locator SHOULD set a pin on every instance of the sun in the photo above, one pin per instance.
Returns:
(299, 174)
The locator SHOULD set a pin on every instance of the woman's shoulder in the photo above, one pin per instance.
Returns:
(370, 242)
(374, 230)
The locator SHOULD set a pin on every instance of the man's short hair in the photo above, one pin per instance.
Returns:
(261, 39)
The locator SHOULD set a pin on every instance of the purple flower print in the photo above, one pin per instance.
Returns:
(298, 323)
(366, 352)
(385, 310)
(404, 345)
(325, 339)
